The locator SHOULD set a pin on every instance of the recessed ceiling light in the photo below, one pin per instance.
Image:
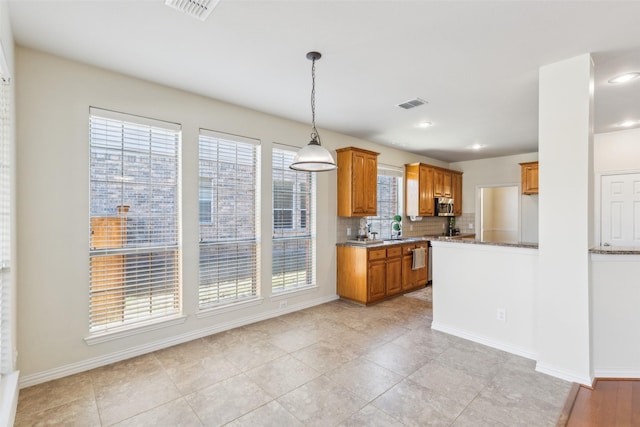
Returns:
(424, 125)
(628, 123)
(476, 146)
(624, 78)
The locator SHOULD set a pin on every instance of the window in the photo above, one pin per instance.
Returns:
(134, 249)
(293, 226)
(389, 200)
(205, 197)
(229, 226)
(6, 280)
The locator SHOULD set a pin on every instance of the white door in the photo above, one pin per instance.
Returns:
(621, 210)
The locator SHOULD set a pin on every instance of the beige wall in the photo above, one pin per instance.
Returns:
(617, 151)
(53, 102)
(499, 171)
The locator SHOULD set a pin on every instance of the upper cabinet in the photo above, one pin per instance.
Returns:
(456, 192)
(357, 182)
(423, 183)
(442, 180)
(418, 190)
(529, 172)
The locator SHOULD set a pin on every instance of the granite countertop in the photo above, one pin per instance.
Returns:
(402, 241)
(470, 239)
(474, 241)
(615, 250)
(384, 243)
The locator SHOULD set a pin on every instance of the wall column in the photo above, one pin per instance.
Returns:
(562, 303)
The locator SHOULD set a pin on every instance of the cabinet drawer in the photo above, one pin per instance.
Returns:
(394, 252)
(407, 249)
(377, 254)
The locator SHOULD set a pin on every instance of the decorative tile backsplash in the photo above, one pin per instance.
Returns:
(429, 226)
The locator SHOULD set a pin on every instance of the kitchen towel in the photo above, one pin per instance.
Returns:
(418, 258)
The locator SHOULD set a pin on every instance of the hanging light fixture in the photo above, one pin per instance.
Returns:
(313, 157)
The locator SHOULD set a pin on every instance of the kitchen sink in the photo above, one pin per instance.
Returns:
(366, 242)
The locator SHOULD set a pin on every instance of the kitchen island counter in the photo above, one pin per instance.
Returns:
(615, 250)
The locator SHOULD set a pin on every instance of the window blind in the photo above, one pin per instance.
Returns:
(293, 194)
(6, 282)
(229, 209)
(134, 245)
(389, 185)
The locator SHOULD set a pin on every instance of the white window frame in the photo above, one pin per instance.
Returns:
(296, 237)
(233, 232)
(382, 222)
(7, 162)
(143, 261)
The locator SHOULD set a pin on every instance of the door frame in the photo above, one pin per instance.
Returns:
(478, 215)
(597, 200)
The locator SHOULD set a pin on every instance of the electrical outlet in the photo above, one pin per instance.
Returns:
(348, 231)
(442, 227)
(283, 304)
(501, 315)
(411, 227)
(470, 226)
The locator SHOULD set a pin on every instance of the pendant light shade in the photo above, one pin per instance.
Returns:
(313, 157)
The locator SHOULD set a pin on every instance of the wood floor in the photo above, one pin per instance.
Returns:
(611, 403)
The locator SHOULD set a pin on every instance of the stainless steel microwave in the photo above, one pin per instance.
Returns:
(444, 206)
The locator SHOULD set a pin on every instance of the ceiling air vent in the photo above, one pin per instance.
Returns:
(197, 8)
(412, 103)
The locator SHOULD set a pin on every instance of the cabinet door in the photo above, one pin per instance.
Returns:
(358, 182)
(394, 275)
(409, 277)
(456, 193)
(426, 205)
(371, 185)
(529, 177)
(376, 280)
(446, 184)
(421, 274)
(438, 183)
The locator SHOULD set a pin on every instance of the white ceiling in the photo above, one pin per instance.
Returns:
(475, 62)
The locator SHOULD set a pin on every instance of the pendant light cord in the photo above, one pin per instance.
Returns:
(314, 132)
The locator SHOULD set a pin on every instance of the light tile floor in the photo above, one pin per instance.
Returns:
(338, 364)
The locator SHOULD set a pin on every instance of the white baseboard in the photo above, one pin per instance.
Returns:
(563, 375)
(96, 362)
(8, 398)
(632, 373)
(490, 342)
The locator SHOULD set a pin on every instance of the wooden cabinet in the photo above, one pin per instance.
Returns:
(376, 280)
(107, 271)
(357, 182)
(442, 183)
(456, 192)
(423, 183)
(529, 173)
(418, 199)
(394, 270)
(413, 279)
(367, 275)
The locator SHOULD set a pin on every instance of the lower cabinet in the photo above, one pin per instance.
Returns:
(394, 271)
(413, 279)
(366, 275)
(377, 278)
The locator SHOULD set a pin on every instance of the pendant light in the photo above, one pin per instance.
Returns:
(313, 157)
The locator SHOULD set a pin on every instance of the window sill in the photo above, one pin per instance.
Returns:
(127, 331)
(212, 311)
(297, 291)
